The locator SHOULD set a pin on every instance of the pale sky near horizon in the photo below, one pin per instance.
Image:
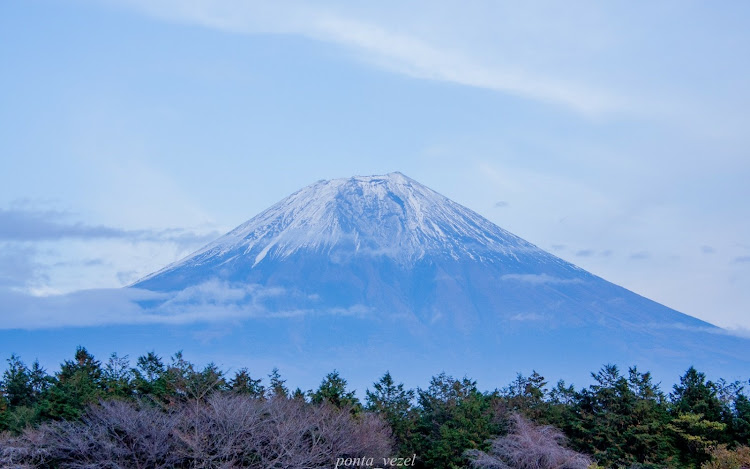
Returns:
(615, 135)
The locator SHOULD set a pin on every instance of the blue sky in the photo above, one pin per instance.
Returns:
(614, 135)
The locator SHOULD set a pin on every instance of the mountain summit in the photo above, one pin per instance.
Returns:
(385, 260)
(391, 216)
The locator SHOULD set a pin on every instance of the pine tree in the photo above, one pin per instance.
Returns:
(394, 404)
(40, 380)
(117, 378)
(243, 383)
(333, 391)
(300, 395)
(695, 395)
(741, 420)
(150, 378)
(201, 384)
(700, 419)
(455, 417)
(696, 436)
(77, 384)
(276, 387)
(621, 421)
(527, 395)
(16, 385)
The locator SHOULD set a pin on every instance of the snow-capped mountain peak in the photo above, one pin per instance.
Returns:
(390, 215)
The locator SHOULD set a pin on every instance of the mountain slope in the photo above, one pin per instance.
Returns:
(372, 259)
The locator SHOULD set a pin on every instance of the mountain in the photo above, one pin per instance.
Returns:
(381, 271)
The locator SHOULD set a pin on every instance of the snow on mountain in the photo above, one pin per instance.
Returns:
(391, 215)
(368, 267)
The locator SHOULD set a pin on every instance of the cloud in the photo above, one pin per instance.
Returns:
(93, 262)
(738, 331)
(585, 253)
(210, 302)
(501, 204)
(127, 277)
(707, 250)
(81, 262)
(527, 317)
(540, 279)
(741, 332)
(741, 259)
(50, 225)
(640, 255)
(83, 308)
(18, 267)
(34, 225)
(385, 43)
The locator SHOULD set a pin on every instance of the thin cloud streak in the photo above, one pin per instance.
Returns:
(419, 59)
(384, 47)
(50, 225)
(540, 279)
(737, 331)
(209, 302)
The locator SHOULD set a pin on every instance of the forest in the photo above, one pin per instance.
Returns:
(169, 413)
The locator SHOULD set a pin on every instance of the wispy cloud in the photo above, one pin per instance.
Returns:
(540, 279)
(83, 308)
(527, 317)
(740, 332)
(51, 225)
(18, 267)
(209, 302)
(380, 43)
(35, 225)
(640, 255)
(741, 259)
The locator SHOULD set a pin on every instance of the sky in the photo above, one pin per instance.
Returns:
(612, 134)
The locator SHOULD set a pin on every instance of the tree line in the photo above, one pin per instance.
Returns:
(170, 413)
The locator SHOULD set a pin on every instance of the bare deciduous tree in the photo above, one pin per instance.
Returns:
(224, 431)
(236, 431)
(529, 446)
(114, 434)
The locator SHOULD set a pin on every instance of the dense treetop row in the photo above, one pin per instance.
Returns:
(621, 420)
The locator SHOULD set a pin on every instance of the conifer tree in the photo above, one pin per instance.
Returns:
(695, 395)
(276, 387)
(117, 377)
(243, 383)
(333, 391)
(741, 420)
(300, 395)
(77, 384)
(149, 377)
(394, 404)
(621, 421)
(16, 385)
(528, 396)
(454, 417)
